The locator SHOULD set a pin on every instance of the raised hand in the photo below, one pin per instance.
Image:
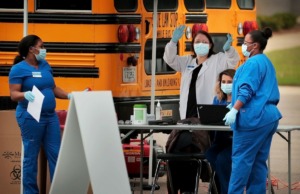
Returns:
(227, 44)
(177, 34)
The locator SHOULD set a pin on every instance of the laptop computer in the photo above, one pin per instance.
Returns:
(210, 114)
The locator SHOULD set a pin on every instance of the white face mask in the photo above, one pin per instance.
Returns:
(244, 50)
(226, 88)
(201, 49)
(41, 55)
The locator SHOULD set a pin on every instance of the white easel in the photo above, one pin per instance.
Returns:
(91, 149)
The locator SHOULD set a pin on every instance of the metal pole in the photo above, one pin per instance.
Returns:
(153, 84)
(289, 162)
(25, 31)
(25, 18)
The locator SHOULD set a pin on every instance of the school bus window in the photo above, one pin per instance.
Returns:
(164, 5)
(125, 5)
(161, 66)
(218, 4)
(246, 4)
(11, 4)
(194, 5)
(77, 5)
(219, 40)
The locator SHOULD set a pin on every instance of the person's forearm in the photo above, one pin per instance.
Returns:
(59, 93)
(17, 96)
(238, 105)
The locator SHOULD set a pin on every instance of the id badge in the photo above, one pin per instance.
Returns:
(36, 74)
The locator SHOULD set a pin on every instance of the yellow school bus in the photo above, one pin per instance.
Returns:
(107, 45)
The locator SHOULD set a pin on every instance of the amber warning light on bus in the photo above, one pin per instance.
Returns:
(128, 33)
(249, 26)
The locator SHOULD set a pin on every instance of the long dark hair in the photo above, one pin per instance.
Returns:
(24, 45)
(211, 50)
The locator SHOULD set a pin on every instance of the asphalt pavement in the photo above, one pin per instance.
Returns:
(289, 106)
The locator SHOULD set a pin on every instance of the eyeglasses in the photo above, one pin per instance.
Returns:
(204, 42)
(248, 42)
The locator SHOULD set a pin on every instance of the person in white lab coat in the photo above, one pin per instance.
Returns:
(199, 74)
(210, 63)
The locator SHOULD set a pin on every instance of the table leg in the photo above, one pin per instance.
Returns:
(269, 175)
(289, 161)
(141, 163)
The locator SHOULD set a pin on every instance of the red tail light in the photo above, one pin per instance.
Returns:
(249, 26)
(198, 27)
(123, 33)
(132, 33)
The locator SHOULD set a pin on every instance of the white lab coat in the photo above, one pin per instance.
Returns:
(207, 76)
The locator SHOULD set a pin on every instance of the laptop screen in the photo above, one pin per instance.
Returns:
(210, 114)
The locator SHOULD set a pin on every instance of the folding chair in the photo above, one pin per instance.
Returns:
(198, 157)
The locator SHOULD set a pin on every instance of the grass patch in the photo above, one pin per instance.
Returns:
(287, 65)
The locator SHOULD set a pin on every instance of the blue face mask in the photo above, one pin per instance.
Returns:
(41, 55)
(201, 49)
(226, 88)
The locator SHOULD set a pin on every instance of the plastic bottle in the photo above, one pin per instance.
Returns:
(139, 114)
(158, 111)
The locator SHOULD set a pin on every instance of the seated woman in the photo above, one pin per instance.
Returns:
(219, 154)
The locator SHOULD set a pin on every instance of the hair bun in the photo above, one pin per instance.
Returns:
(267, 32)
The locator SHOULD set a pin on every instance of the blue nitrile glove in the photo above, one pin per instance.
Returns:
(227, 44)
(229, 106)
(29, 96)
(70, 96)
(230, 116)
(177, 34)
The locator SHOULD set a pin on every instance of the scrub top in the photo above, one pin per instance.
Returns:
(41, 77)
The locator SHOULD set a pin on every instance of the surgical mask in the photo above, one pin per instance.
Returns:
(244, 50)
(201, 49)
(226, 88)
(41, 55)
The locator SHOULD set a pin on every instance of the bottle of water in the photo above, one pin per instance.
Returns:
(158, 111)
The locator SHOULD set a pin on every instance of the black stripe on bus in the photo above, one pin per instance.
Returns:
(79, 47)
(240, 41)
(188, 47)
(195, 18)
(58, 18)
(86, 72)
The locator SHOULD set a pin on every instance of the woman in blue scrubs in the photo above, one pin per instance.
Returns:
(254, 116)
(30, 69)
(219, 153)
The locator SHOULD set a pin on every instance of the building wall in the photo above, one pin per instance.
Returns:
(270, 7)
(296, 7)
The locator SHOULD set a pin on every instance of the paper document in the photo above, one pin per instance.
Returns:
(34, 108)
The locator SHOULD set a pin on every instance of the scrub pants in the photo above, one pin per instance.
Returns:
(46, 133)
(220, 160)
(249, 155)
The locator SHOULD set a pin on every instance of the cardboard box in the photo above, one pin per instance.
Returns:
(10, 153)
(10, 157)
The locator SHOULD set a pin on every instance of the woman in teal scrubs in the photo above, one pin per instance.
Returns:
(30, 70)
(254, 116)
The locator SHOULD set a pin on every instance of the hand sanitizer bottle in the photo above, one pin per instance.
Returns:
(158, 111)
